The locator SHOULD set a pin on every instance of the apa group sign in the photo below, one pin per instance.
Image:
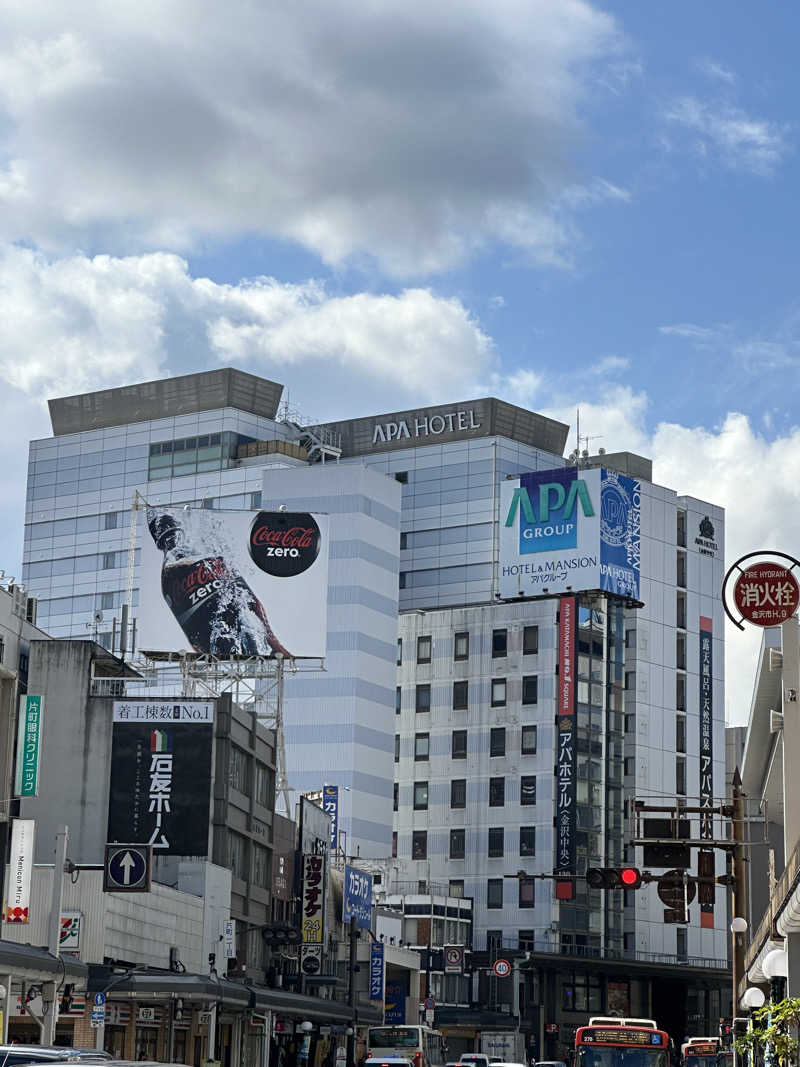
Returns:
(568, 530)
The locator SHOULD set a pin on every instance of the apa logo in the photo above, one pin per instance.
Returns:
(548, 510)
(707, 528)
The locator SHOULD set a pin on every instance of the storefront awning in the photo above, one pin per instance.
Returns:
(32, 964)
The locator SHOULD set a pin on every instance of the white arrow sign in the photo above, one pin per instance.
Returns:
(127, 863)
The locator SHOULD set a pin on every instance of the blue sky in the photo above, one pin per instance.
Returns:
(554, 201)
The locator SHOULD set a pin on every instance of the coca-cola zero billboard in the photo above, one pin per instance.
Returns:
(233, 583)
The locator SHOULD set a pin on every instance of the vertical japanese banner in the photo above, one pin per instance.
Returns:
(313, 914)
(565, 757)
(705, 857)
(20, 869)
(376, 971)
(29, 738)
(330, 805)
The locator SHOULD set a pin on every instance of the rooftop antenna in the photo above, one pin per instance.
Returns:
(582, 449)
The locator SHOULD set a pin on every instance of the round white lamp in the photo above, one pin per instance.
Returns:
(306, 1027)
(739, 925)
(753, 998)
(776, 964)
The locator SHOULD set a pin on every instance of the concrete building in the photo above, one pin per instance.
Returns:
(462, 686)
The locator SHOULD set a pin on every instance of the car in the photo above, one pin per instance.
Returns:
(506, 1063)
(550, 1063)
(387, 1061)
(12, 1055)
(475, 1059)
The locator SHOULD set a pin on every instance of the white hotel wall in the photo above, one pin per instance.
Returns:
(340, 722)
(655, 694)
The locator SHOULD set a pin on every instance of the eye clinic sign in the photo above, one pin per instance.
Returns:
(426, 426)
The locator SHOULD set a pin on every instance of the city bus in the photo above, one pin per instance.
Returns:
(700, 1052)
(620, 1045)
(423, 1046)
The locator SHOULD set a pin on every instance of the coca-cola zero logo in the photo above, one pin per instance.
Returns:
(284, 543)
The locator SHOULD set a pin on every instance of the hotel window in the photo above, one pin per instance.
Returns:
(681, 570)
(239, 770)
(265, 785)
(497, 792)
(461, 646)
(499, 643)
(111, 520)
(401, 476)
(109, 561)
(399, 651)
(530, 689)
(398, 700)
(402, 579)
(261, 866)
(238, 861)
(680, 651)
(680, 733)
(456, 885)
(424, 649)
(422, 745)
(526, 940)
(680, 776)
(423, 698)
(497, 741)
(680, 612)
(527, 840)
(530, 641)
(681, 528)
(458, 793)
(397, 748)
(394, 844)
(494, 893)
(255, 500)
(527, 793)
(460, 696)
(680, 692)
(498, 692)
(496, 842)
(396, 797)
(420, 796)
(457, 844)
(527, 893)
(459, 744)
(419, 845)
(528, 740)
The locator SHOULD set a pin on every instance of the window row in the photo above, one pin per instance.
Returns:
(240, 777)
(248, 860)
(458, 743)
(526, 892)
(499, 694)
(110, 520)
(98, 561)
(458, 793)
(530, 645)
(496, 845)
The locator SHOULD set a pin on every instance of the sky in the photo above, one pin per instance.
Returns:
(382, 205)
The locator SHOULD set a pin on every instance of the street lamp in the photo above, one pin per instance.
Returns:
(739, 926)
(775, 966)
(753, 998)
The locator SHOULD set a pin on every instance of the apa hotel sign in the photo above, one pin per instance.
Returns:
(422, 425)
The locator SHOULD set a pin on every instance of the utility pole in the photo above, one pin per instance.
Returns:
(739, 883)
(54, 928)
(351, 992)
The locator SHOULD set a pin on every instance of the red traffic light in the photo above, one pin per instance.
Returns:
(630, 877)
(613, 878)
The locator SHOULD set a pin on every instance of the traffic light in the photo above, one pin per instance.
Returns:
(726, 1032)
(177, 1009)
(613, 877)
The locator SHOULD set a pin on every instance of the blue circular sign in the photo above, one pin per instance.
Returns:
(99, 999)
(127, 867)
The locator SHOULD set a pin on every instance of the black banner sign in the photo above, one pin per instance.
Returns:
(160, 791)
(706, 893)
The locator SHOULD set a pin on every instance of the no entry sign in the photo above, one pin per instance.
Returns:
(766, 594)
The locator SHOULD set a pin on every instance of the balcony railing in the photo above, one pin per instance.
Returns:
(595, 952)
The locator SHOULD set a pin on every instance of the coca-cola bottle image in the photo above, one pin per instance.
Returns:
(212, 602)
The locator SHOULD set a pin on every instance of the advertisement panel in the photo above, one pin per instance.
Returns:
(233, 583)
(397, 990)
(20, 868)
(704, 859)
(29, 739)
(357, 897)
(160, 790)
(376, 971)
(565, 736)
(313, 913)
(315, 827)
(330, 805)
(569, 530)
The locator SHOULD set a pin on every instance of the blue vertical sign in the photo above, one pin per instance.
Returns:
(395, 1007)
(330, 805)
(357, 897)
(376, 971)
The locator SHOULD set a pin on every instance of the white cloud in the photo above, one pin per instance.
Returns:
(79, 323)
(412, 133)
(690, 332)
(729, 136)
(716, 71)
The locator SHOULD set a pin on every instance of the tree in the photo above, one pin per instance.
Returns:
(773, 1026)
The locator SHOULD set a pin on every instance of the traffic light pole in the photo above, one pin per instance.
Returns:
(739, 884)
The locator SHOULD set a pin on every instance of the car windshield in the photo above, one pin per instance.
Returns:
(701, 1061)
(393, 1037)
(608, 1056)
